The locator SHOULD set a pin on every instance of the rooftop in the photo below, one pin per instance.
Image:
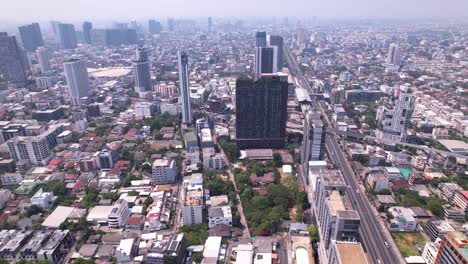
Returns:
(350, 252)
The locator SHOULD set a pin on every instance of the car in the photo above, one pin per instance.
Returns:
(357, 190)
(386, 244)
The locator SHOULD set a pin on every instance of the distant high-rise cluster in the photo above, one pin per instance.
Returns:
(154, 27)
(11, 62)
(268, 58)
(210, 24)
(142, 70)
(261, 111)
(77, 78)
(184, 88)
(31, 36)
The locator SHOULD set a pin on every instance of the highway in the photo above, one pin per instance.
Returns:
(373, 235)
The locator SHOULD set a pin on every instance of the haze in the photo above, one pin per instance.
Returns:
(44, 10)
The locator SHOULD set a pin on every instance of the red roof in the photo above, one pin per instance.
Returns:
(464, 193)
(134, 220)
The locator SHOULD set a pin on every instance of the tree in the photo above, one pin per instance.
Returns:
(148, 201)
(33, 209)
(278, 160)
(313, 233)
(230, 149)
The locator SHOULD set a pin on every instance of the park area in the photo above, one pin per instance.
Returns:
(407, 243)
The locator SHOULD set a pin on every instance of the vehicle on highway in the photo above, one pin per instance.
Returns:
(386, 243)
(357, 190)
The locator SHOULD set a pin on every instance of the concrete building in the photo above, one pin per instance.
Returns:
(211, 250)
(42, 199)
(31, 36)
(144, 110)
(164, 171)
(403, 219)
(142, 70)
(347, 252)
(125, 251)
(11, 62)
(453, 249)
(461, 200)
(192, 210)
(393, 56)
(77, 78)
(67, 36)
(206, 138)
(314, 139)
(5, 196)
(430, 252)
(219, 215)
(9, 251)
(30, 252)
(119, 214)
(184, 88)
(395, 119)
(107, 159)
(43, 57)
(173, 245)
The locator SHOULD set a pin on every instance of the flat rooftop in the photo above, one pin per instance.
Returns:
(351, 253)
(336, 203)
(332, 177)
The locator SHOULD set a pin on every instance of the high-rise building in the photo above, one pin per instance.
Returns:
(43, 56)
(67, 36)
(393, 56)
(164, 171)
(76, 75)
(277, 41)
(11, 63)
(170, 24)
(31, 36)
(184, 88)
(265, 61)
(394, 119)
(210, 24)
(453, 249)
(154, 27)
(314, 139)
(87, 27)
(141, 70)
(260, 39)
(261, 111)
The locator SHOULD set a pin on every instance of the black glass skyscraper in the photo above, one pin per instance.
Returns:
(67, 36)
(260, 39)
(261, 111)
(154, 27)
(87, 27)
(11, 63)
(31, 36)
(277, 41)
(141, 70)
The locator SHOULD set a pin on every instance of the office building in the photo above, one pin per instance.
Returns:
(118, 214)
(453, 249)
(277, 41)
(76, 75)
(31, 36)
(87, 27)
(144, 110)
(395, 119)
(67, 36)
(265, 60)
(35, 149)
(142, 70)
(43, 56)
(164, 171)
(210, 24)
(154, 27)
(261, 111)
(107, 159)
(260, 39)
(11, 62)
(184, 88)
(393, 56)
(314, 139)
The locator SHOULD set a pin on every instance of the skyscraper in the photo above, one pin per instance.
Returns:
(67, 36)
(11, 63)
(43, 56)
(184, 88)
(170, 24)
(393, 56)
(87, 27)
(154, 27)
(76, 75)
(141, 70)
(394, 119)
(314, 139)
(260, 39)
(210, 24)
(31, 36)
(261, 111)
(265, 61)
(277, 41)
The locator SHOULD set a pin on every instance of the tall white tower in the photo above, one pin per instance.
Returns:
(43, 56)
(77, 78)
(184, 87)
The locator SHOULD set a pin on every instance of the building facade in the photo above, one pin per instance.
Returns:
(184, 88)
(77, 78)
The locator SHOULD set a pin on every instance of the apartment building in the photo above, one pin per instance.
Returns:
(164, 171)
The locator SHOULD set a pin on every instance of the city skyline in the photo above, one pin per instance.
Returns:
(21, 11)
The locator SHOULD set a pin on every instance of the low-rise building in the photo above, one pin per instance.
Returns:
(42, 199)
(219, 215)
(11, 248)
(461, 200)
(5, 196)
(430, 251)
(57, 247)
(125, 251)
(403, 219)
(118, 214)
(30, 252)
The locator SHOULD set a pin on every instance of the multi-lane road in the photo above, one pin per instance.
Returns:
(376, 239)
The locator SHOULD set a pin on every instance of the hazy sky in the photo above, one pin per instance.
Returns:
(78, 10)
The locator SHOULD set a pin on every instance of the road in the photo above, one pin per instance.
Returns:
(372, 233)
